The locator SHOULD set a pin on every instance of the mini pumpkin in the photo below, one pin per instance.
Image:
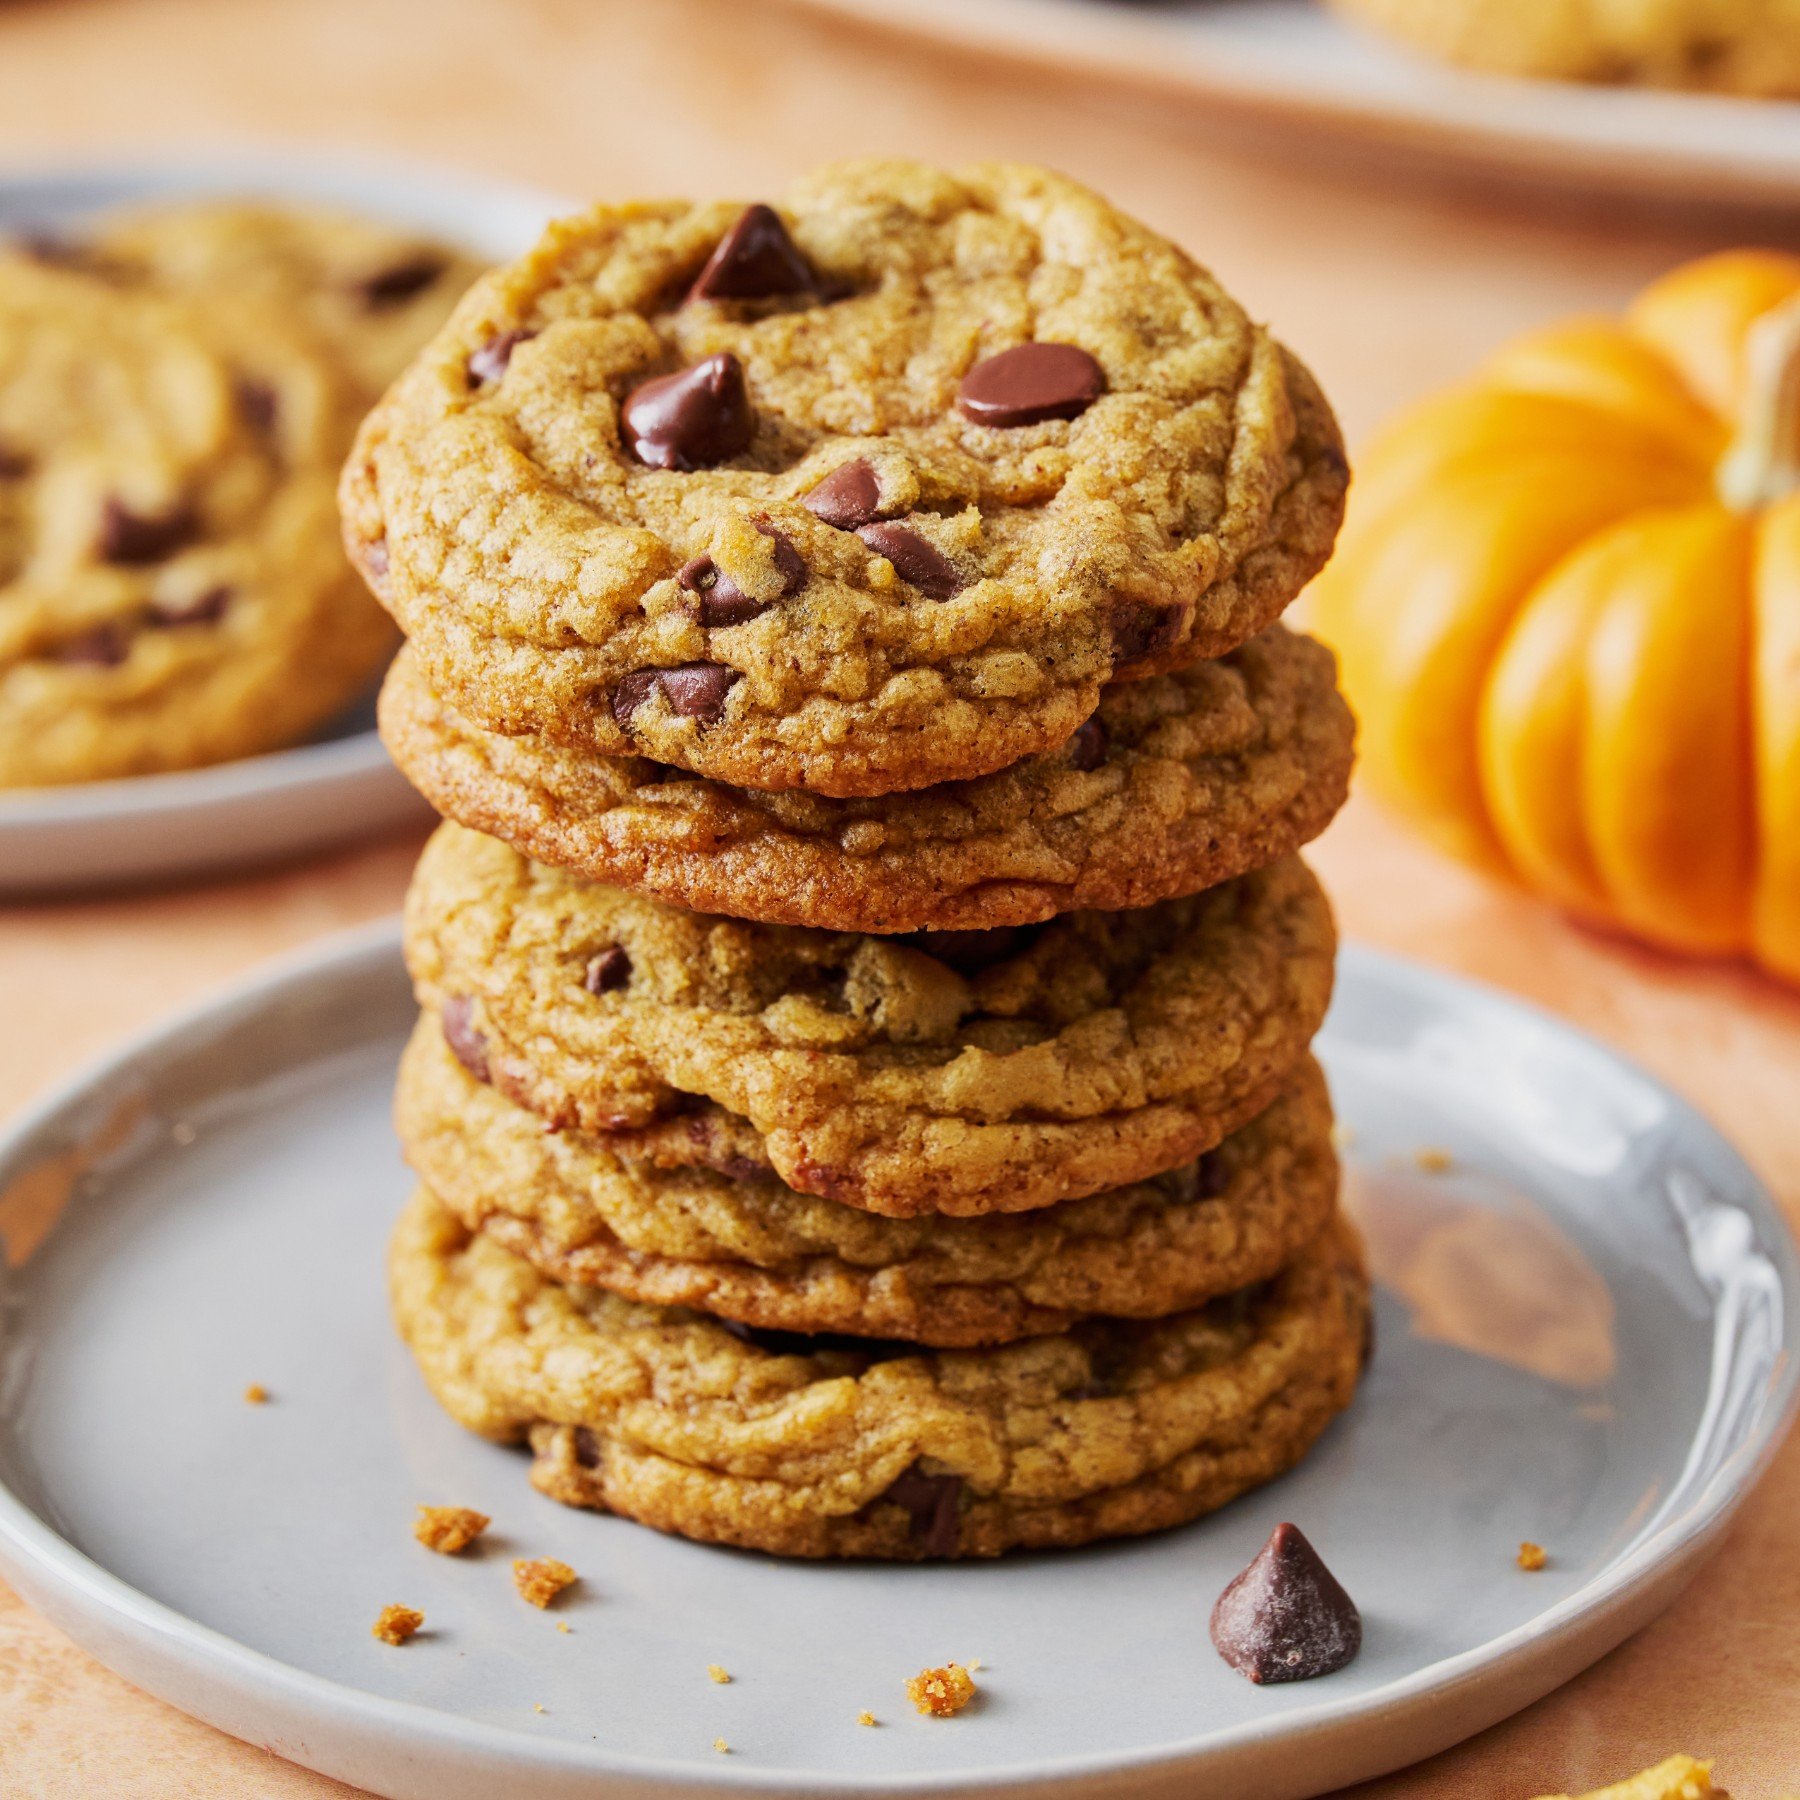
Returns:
(1567, 605)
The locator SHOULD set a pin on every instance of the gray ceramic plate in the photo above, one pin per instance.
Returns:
(264, 807)
(1584, 1342)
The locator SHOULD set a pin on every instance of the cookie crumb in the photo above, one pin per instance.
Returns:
(449, 1529)
(537, 1706)
(867, 1718)
(1677, 1778)
(941, 1692)
(541, 1579)
(715, 1673)
(563, 1625)
(1434, 1161)
(720, 1745)
(1532, 1556)
(397, 1624)
(257, 1394)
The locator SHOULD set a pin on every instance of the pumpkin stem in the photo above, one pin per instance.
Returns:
(1763, 463)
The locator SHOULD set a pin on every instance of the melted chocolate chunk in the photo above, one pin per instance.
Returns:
(916, 559)
(489, 362)
(969, 952)
(1140, 631)
(467, 1045)
(609, 971)
(931, 1501)
(135, 539)
(203, 609)
(587, 1448)
(755, 259)
(718, 600)
(816, 1343)
(1087, 746)
(102, 646)
(848, 497)
(1286, 1618)
(400, 281)
(694, 419)
(1211, 1177)
(695, 690)
(1030, 383)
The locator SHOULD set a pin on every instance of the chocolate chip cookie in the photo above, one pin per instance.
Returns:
(748, 1248)
(838, 1448)
(171, 592)
(1176, 783)
(960, 1073)
(865, 493)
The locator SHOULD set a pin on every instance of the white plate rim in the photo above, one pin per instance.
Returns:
(32, 1553)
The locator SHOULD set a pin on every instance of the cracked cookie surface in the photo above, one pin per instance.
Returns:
(1178, 782)
(961, 1073)
(750, 1249)
(669, 1417)
(868, 493)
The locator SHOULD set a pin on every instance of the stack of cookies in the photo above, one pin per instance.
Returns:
(862, 1100)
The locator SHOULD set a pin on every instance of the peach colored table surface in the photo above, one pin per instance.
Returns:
(1386, 284)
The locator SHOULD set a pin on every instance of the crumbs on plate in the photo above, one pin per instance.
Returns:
(449, 1529)
(541, 1579)
(396, 1624)
(942, 1692)
(1532, 1556)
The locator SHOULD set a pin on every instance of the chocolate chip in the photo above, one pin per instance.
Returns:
(609, 971)
(789, 564)
(718, 600)
(1210, 1175)
(848, 497)
(489, 362)
(400, 281)
(467, 1045)
(693, 690)
(259, 406)
(587, 1448)
(1087, 746)
(931, 1501)
(755, 259)
(1140, 631)
(815, 1343)
(970, 952)
(1286, 1618)
(15, 465)
(102, 646)
(1030, 383)
(697, 690)
(916, 559)
(203, 609)
(134, 539)
(693, 419)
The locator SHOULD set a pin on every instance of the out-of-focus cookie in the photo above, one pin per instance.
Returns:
(843, 1449)
(1178, 782)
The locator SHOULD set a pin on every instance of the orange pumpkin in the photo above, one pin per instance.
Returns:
(1567, 603)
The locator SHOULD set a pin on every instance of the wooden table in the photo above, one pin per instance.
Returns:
(1387, 286)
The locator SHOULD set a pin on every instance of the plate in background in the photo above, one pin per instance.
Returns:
(342, 785)
(1292, 64)
(1586, 1339)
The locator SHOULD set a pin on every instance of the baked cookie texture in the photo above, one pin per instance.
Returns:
(888, 1450)
(1177, 782)
(753, 1250)
(1728, 46)
(866, 494)
(172, 589)
(957, 1073)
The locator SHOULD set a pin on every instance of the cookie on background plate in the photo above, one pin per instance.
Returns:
(866, 493)
(956, 1072)
(746, 1247)
(1176, 783)
(671, 1418)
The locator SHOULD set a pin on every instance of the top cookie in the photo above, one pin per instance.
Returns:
(869, 493)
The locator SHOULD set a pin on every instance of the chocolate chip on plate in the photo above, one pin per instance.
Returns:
(609, 971)
(916, 558)
(848, 497)
(1286, 1618)
(755, 260)
(488, 362)
(693, 419)
(400, 280)
(1030, 383)
(468, 1045)
(134, 539)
